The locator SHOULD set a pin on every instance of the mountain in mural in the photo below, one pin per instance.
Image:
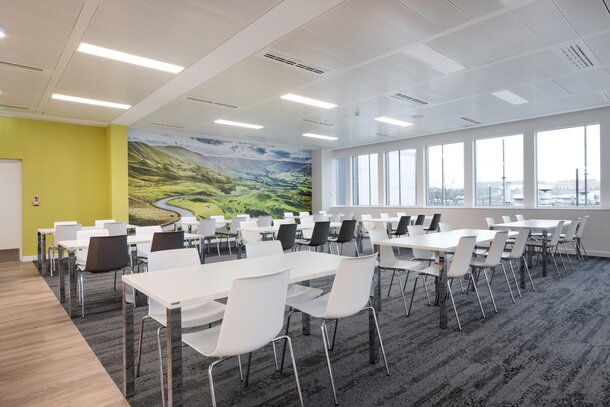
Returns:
(169, 180)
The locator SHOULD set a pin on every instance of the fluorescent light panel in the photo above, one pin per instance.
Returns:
(510, 97)
(2, 32)
(86, 101)
(434, 58)
(238, 124)
(395, 122)
(307, 101)
(311, 135)
(129, 58)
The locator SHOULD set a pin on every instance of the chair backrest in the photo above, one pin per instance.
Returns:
(307, 220)
(265, 220)
(571, 230)
(107, 253)
(321, 218)
(167, 241)
(461, 259)
(556, 233)
(367, 225)
(236, 223)
(348, 216)
(401, 214)
(207, 227)
(99, 224)
(506, 219)
(174, 258)
(346, 233)
(66, 232)
(304, 214)
(288, 215)
(88, 233)
(287, 235)
(220, 220)
(322, 212)
(335, 217)
(581, 226)
(254, 314)
(147, 230)
(351, 288)
(494, 254)
(319, 236)
(243, 215)
(403, 225)
(248, 236)
(116, 228)
(264, 248)
(420, 220)
(387, 257)
(416, 230)
(445, 227)
(188, 219)
(436, 220)
(519, 245)
(490, 222)
(66, 222)
(384, 215)
(519, 217)
(277, 222)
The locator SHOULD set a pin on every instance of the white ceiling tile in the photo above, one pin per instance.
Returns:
(586, 20)
(599, 45)
(477, 8)
(574, 84)
(513, 32)
(440, 12)
(550, 89)
(549, 62)
(546, 21)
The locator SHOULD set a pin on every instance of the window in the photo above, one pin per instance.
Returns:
(400, 178)
(340, 180)
(364, 179)
(445, 175)
(499, 171)
(568, 167)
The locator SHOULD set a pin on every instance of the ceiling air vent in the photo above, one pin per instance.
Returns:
(578, 56)
(469, 120)
(288, 60)
(409, 99)
(7, 64)
(14, 107)
(317, 122)
(210, 102)
(171, 126)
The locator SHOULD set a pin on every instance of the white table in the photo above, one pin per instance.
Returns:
(275, 228)
(73, 245)
(174, 288)
(542, 225)
(440, 243)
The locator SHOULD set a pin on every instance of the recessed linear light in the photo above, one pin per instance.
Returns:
(90, 101)
(129, 58)
(434, 58)
(238, 124)
(510, 97)
(395, 122)
(311, 135)
(2, 35)
(312, 102)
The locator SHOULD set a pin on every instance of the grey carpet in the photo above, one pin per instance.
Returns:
(551, 348)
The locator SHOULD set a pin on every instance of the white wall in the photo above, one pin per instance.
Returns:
(10, 205)
(597, 233)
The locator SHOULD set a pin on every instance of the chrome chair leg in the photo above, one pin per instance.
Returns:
(510, 290)
(211, 380)
(476, 291)
(493, 301)
(385, 360)
(140, 345)
(391, 280)
(159, 349)
(330, 370)
(294, 365)
(457, 317)
(402, 293)
(426, 289)
(412, 295)
(514, 278)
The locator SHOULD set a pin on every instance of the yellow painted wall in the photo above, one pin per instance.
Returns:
(116, 148)
(68, 166)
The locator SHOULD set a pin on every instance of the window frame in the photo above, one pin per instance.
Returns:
(355, 180)
(427, 177)
(386, 178)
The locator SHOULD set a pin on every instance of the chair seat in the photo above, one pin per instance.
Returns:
(302, 241)
(478, 262)
(143, 251)
(536, 243)
(403, 265)
(314, 307)
(300, 293)
(81, 258)
(430, 271)
(203, 341)
(192, 316)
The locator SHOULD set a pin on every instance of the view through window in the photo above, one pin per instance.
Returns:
(445, 175)
(364, 179)
(400, 178)
(340, 181)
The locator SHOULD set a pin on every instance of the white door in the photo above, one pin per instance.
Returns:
(10, 207)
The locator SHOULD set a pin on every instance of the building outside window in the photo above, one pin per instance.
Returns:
(400, 178)
(568, 167)
(340, 181)
(364, 180)
(499, 171)
(445, 175)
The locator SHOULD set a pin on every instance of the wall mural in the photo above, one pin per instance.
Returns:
(173, 176)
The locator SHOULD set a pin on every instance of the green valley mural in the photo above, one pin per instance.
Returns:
(173, 176)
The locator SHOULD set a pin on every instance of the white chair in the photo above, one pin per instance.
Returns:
(459, 267)
(349, 295)
(277, 222)
(490, 222)
(116, 228)
(207, 229)
(570, 237)
(551, 246)
(322, 212)
(320, 218)
(232, 231)
(288, 215)
(253, 318)
(419, 254)
(492, 260)
(195, 315)
(188, 219)
(388, 261)
(265, 220)
(249, 236)
(308, 224)
(295, 292)
(243, 215)
(304, 214)
(143, 249)
(578, 236)
(62, 231)
(99, 224)
(506, 219)
(221, 222)
(518, 253)
(519, 217)
(81, 255)
(445, 227)
(366, 226)
(348, 216)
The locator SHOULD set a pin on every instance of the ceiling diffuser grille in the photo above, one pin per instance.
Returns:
(578, 56)
(14, 107)
(297, 63)
(171, 126)
(210, 102)
(469, 120)
(20, 66)
(409, 99)
(317, 122)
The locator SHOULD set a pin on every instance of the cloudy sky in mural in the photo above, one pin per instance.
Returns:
(220, 148)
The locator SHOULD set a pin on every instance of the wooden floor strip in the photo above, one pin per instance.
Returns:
(44, 360)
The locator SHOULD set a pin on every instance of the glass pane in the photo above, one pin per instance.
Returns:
(373, 181)
(434, 160)
(364, 179)
(392, 178)
(453, 174)
(590, 186)
(340, 181)
(408, 192)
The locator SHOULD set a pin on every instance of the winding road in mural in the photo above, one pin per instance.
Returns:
(162, 204)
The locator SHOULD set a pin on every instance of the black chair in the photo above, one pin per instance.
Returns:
(420, 220)
(287, 234)
(319, 236)
(105, 254)
(434, 224)
(346, 235)
(402, 227)
(167, 241)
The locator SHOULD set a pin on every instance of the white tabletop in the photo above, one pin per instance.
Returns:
(48, 231)
(174, 287)
(131, 239)
(442, 241)
(539, 224)
(391, 219)
(275, 228)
